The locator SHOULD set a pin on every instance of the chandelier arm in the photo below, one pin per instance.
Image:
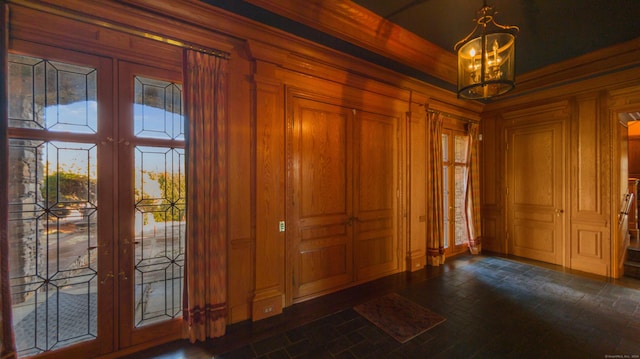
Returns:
(461, 42)
(508, 28)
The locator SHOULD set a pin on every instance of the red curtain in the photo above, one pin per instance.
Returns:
(435, 212)
(205, 293)
(7, 341)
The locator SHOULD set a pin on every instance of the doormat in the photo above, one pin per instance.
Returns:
(398, 316)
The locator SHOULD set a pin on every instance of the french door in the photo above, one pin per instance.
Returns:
(455, 147)
(96, 202)
(151, 203)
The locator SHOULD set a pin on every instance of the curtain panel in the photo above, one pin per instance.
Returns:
(435, 211)
(205, 293)
(473, 191)
(7, 340)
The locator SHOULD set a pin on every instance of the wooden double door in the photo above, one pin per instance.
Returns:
(342, 198)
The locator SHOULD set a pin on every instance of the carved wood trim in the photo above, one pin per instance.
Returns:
(205, 24)
(135, 22)
(602, 68)
(605, 60)
(466, 110)
(554, 110)
(270, 195)
(348, 21)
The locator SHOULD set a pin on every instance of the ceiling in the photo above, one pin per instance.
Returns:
(550, 30)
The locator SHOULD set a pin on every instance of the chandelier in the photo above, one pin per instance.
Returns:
(486, 58)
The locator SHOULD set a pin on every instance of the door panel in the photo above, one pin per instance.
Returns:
(375, 169)
(454, 157)
(535, 174)
(151, 203)
(322, 197)
(60, 204)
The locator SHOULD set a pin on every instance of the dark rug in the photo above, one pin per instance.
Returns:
(398, 316)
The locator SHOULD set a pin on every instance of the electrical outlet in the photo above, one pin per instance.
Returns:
(281, 226)
(268, 309)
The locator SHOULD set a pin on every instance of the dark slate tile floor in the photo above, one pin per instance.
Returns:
(495, 308)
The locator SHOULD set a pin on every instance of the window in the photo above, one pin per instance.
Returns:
(455, 145)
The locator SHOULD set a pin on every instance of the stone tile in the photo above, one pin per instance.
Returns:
(299, 349)
(278, 354)
(352, 325)
(494, 308)
(338, 345)
(271, 344)
(240, 353)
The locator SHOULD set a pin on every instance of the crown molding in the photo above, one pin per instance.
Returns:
(350, 22)
(606, 60)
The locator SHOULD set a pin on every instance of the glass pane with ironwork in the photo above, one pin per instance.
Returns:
(157, 109)
(53, 259)
(160, 233)
(461, 144)
(445, 186)
(53, 96)
(461, 235)
(445, 148)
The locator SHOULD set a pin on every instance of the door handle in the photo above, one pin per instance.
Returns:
(559, 211)
(107, 276)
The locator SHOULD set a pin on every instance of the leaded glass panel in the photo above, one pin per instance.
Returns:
(158, 109)
(461, 235)
(53, 243)
(445, 148)
(445, 186)
(52, 96)
(160, 233)
(461, 143)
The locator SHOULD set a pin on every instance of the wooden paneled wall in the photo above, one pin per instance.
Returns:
(595, 146)
(634, 156)
(266, 66)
